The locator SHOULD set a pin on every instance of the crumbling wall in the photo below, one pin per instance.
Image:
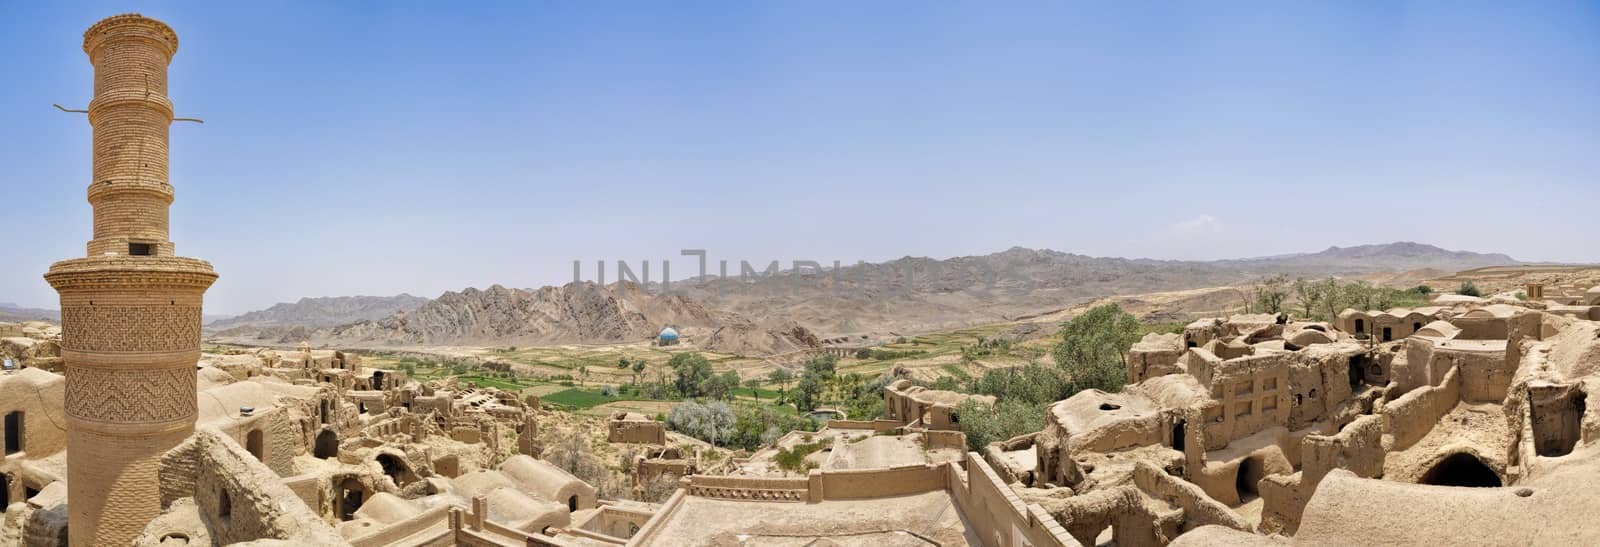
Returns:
(1198, 508)
(636, 431)
(1358, 448)
(1154, 355)
(240, 499)
(1410, 417)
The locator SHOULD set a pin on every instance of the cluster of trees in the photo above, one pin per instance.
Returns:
(1091, 354)
(740, 426)
(1322, 300)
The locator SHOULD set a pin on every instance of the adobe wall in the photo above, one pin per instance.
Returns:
(1357, 448)
(1254, 392)
(849, 484)
(240, 499)
(996, 514)
(933, 440)
(282, 438)
(617, 522)
(39, 396)
(1409, 418)
(1198, 508)
(636, 431)
(873, 425)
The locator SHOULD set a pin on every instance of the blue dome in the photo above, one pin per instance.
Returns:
(668, 334)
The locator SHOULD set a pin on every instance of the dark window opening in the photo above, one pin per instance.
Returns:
(140, 249)
(1461, 469)
(1388, 334)
(29, 492)
(5, 492)
(955, 418)
(327, 445)
(323, 411)
(1177, 435)
(255, 443)
(13, 426)
(1416, 327)
(572, 504)
(361, 406)
(224, 506)
(1361, 326)
(377, 379)
(1356, 367)
(1109, 406)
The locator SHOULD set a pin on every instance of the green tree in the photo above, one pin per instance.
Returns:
(691, 370)
(721, 386)
(1308, 294)
(1093, 346)
(1269, 293)
(781, 377)
(754, 385)
(583, 372)
(638, 369)
(808, 392)
(984, 424)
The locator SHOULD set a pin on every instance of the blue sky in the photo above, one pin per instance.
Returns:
(375, 148)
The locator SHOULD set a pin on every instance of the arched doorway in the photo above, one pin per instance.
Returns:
(1361, 326)
(327, 445)
(1244, 480)
(572, 504)
(255, 443)
(350, 497)
(5, 492)
(396, 469)
(1461, 469)
(1177, 435)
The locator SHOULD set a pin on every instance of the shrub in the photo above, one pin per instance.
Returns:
(984, 424)
(1469, 288)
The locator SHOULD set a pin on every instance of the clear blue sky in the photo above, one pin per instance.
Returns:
(381, 147)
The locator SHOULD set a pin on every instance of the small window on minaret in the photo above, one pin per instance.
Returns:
(139, 249)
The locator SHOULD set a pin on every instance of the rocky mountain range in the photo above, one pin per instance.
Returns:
(323, 312)
(792, 309)
(12, 313)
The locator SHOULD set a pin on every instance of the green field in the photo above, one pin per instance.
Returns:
(580, 398)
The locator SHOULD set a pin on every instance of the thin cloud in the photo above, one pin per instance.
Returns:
(1194, 228)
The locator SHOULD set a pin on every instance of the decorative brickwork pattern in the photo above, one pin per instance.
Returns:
(131, 328)
(131, 396)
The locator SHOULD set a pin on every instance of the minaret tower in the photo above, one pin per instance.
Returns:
(130, 311)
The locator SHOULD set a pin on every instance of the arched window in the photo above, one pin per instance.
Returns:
(572, 503)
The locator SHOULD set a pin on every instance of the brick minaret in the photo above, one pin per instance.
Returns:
(130, 311)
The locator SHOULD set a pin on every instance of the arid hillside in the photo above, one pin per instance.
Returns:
(789, 310)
